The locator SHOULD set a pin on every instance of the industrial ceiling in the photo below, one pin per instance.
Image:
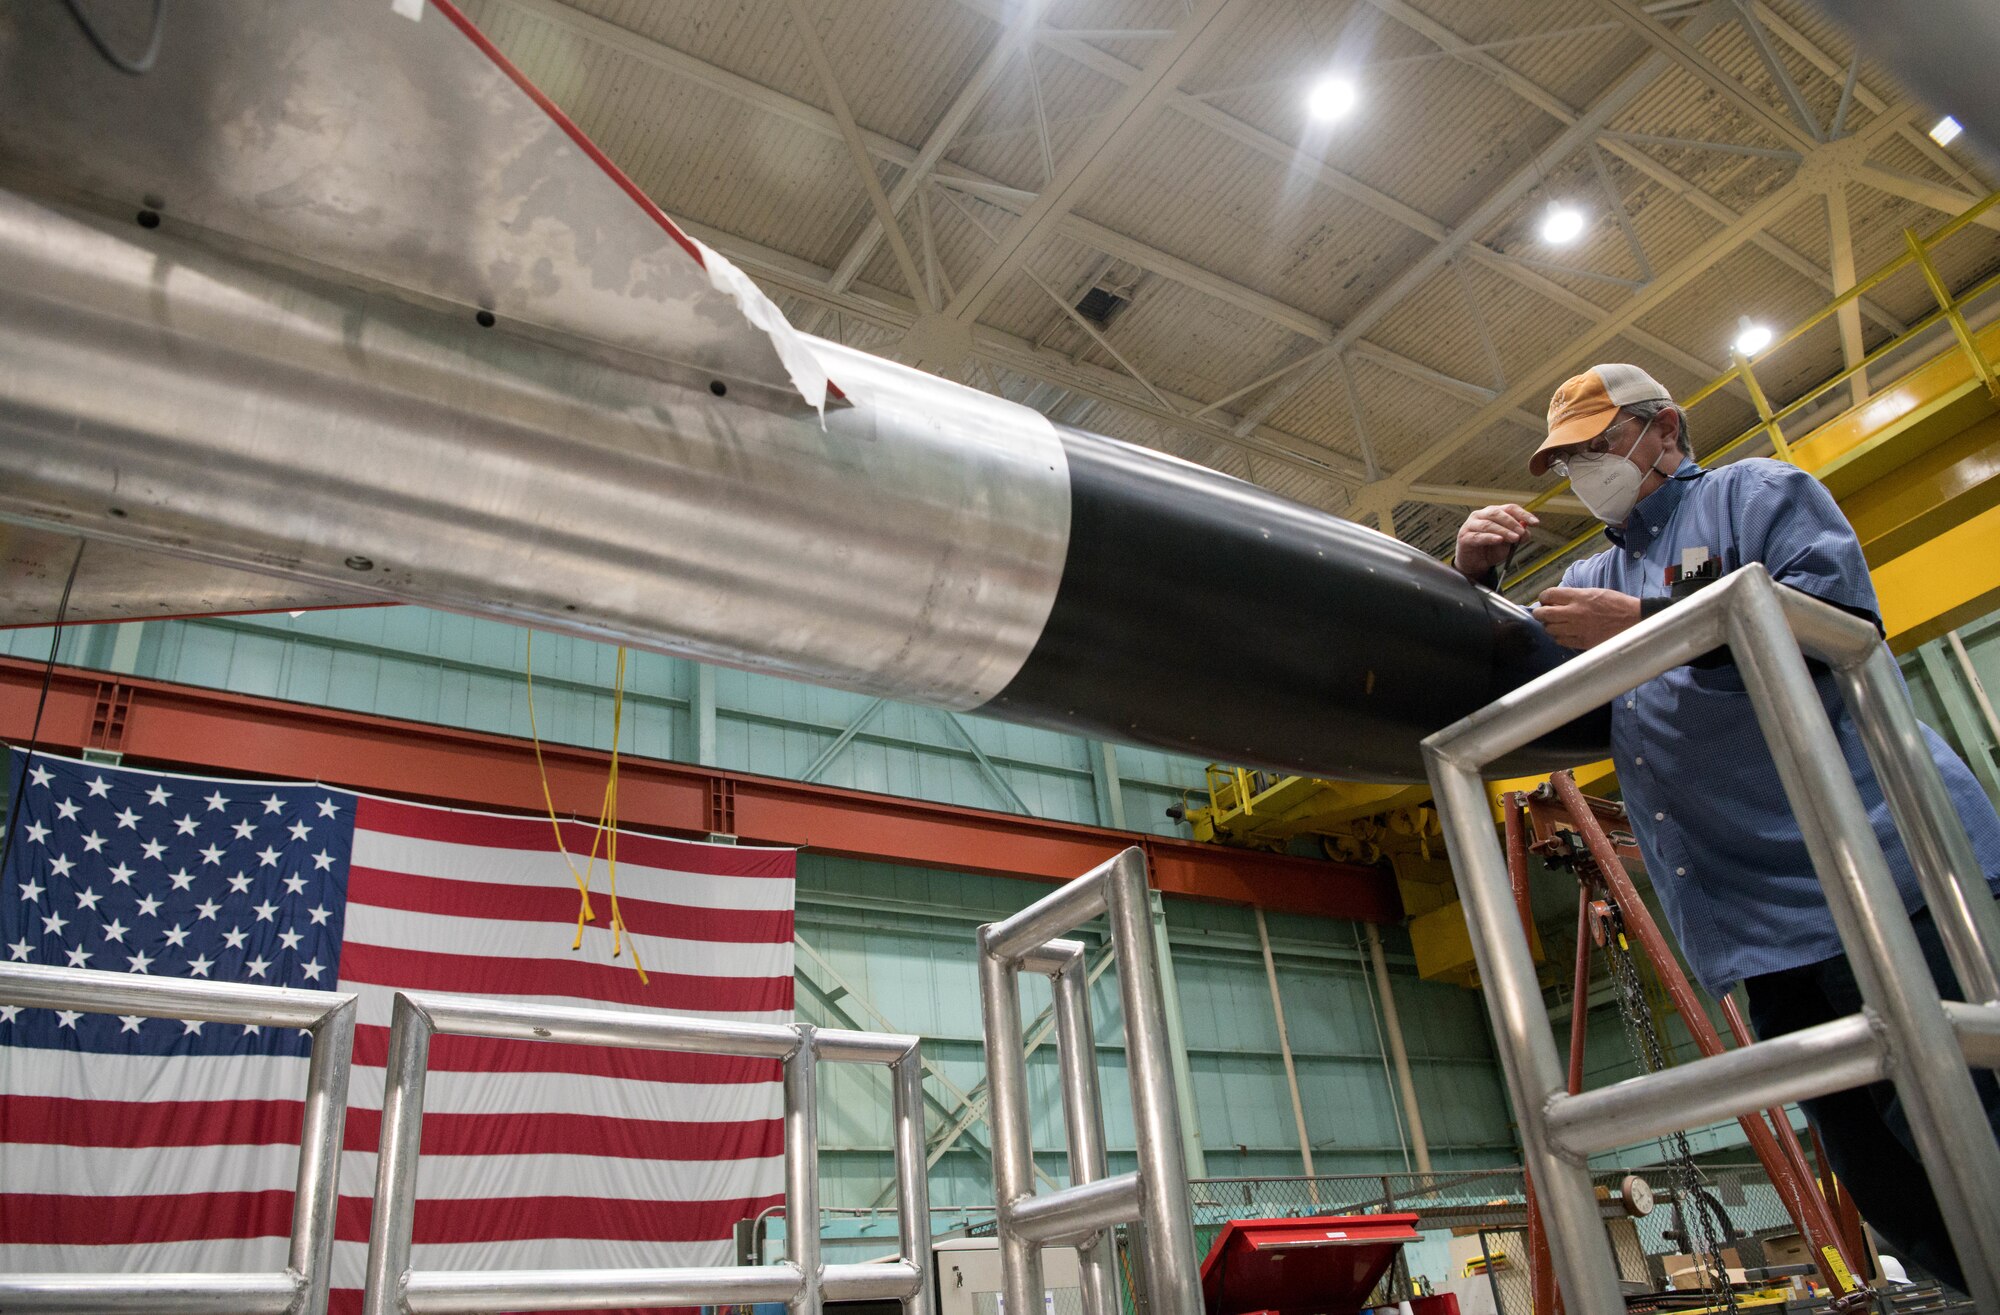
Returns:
(1127, 214)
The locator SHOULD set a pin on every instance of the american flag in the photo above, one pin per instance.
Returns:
(135, 1144)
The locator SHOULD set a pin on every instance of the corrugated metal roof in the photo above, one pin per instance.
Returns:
(714, 108)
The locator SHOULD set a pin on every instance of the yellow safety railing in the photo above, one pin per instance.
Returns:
(1229, 787)
(1770, 421)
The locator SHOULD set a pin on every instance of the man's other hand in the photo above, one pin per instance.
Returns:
(1585, 618)
(1488, 535)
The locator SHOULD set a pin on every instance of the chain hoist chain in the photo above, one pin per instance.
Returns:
(1643, 1037)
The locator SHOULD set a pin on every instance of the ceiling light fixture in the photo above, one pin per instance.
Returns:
(1562, 225)
(1752, 337)
(1332, 98)
(1945, 131)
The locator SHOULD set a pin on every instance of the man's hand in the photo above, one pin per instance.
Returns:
(1585, 618)
(1487, 536)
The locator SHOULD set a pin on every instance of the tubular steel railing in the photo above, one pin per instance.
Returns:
(301, 1287)
(802, 1280)
(1904, 1031)
(1084, 1215)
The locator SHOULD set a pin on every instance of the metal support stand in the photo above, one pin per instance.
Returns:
(802, 1281)
(1904, 1031)
(301, 1288)
(1155, 1197)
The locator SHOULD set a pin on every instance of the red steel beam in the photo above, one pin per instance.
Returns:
(189, 728)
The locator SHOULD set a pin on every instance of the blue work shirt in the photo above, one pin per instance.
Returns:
(1719, 839)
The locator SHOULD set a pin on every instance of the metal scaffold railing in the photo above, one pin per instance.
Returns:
(1155, 1196)
(301, 1287)
(1905, 1032)
(802, 1281)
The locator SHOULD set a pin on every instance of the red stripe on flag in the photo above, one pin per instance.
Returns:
(492, 831)
(557, 904)
(475, 974)
(517, 1218)
(62, 1121)
(36, 1219)
(347, 1301)
(476, 1054)
(578, 1134)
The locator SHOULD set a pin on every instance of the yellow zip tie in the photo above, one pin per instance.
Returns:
(619, 934)
(584, 913)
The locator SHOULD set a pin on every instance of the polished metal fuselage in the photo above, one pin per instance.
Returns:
(158, 393)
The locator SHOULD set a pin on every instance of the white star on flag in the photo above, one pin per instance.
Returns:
(158, 795)
(212, 855)
(40, 775)
(327, 809)
(299, 830)
(295, 883)
(37, 832)
(185, 824)
(274, 805)
(215, 802)
(235, 937)
(182, 879)
(264, 911)
(100, 788)
(208, 908)
(193, 1026)
(150, 906)
(115, 930)
(268, 856)
(122, 874)
(68, 1017)
(87, 899)
(78, 957)
(69, 809)
(154, 849)
(312, 971)
(22, 948)
(53, 923)
(257, 967)
(8, 1013)
(290, 939)
(140, 962)
(31, 889)
(240, 882)
(175, 936)
(128, 820)
(131, 1022)
(320, 914)
(243, 829)
(322, 861)
(200, 964)
(92, 843)
(61, 864)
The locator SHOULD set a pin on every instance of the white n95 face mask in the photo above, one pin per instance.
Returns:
(1607, 484)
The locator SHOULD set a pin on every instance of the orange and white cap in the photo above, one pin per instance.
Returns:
(1587, 404)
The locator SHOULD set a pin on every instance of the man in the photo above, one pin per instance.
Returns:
(1720, 843)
